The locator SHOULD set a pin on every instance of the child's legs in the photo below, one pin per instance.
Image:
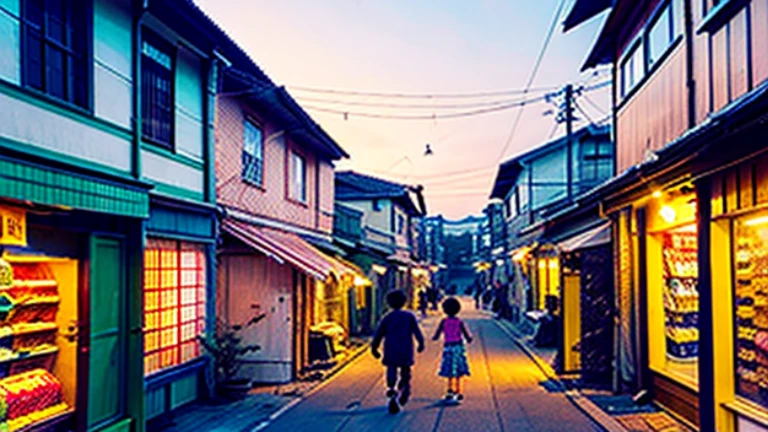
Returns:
(450, 385)
(391, 376)
(458, 385)
(405, 383)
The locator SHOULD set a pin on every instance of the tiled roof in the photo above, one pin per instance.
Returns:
(351, 185)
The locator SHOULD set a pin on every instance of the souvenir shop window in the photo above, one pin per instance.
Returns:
(681, 300)
(750, 246)
(174, 303)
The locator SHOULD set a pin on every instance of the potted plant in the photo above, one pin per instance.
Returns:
(226, 347)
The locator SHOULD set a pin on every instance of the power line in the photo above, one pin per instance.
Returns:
(421, 95)
(348, 114)
(594, 105)
(535, 71)
(584, 113)
(409, 106)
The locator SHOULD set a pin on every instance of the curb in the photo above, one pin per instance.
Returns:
(605, 421)
(354, 358)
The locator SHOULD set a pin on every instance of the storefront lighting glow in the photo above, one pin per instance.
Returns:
(553, 264)
(657, 194)
(379, 269)
(542, 265)
(359, 281)
(760, 220)
(668, 214)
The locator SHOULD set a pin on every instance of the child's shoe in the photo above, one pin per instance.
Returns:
(393, 407)
(458, 397)
(450, 395)
(391, 393)
(403, 399)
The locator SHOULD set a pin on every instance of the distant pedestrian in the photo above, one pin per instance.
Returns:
(454, 363)
(478, 292)
(423, 302)
(398, 328)
(432, 293)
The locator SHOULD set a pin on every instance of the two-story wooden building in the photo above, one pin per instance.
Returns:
(391, 215)
(533, 187)
(275, 186)
(690, 97)
(106, 159)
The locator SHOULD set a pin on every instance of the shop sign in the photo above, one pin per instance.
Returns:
(13, 226)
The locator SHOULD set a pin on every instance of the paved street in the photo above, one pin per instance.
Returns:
(504, 393)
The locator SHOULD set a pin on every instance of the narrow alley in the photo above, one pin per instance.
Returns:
(506, 392)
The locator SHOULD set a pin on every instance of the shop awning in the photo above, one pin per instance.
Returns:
(597, 236)
(287, 247)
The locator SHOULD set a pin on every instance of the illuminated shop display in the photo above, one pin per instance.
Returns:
(174, 303)
(751, 302)
(37, 368)
(681, 296)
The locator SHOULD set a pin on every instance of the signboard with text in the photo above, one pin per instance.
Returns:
(13, 226)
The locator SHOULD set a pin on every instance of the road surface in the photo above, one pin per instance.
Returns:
(506, 393)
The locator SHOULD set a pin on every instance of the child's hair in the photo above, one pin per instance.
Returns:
(396, 299)
(451, 306)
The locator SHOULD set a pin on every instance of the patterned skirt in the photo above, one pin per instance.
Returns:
(454, 363)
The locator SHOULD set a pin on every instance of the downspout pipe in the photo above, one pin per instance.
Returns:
(140, 12)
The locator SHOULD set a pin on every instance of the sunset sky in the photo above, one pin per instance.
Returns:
(423, 47)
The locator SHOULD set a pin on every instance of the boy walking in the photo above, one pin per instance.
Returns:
(398, 328)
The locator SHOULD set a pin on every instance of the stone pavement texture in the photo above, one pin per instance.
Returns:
(506, 392)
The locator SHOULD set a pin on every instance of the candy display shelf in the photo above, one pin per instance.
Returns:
(32, 354)
(34, 284)
(49, 422)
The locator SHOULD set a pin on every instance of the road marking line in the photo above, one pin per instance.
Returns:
(274, 416)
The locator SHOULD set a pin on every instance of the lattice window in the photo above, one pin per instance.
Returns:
(174, 303)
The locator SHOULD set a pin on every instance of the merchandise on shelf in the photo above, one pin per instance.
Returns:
(681, 295)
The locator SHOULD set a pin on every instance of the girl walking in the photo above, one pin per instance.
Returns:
(453, 365)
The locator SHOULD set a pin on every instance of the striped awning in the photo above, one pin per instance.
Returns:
(287, 247)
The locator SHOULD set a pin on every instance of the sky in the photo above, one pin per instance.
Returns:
(420, 47)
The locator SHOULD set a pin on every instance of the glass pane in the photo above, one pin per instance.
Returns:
(659, 37)
(54, 62)
(33, 13)
(751, 304)
(33, 66)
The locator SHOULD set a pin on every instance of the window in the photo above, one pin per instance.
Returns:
(54, 54)
(174, 303)
(632, 69)
(376, 205)
(512, 204)
(597, 162)
(156, 90)
(660, 36)
(298, 180)
(253, 154)
(400, 224)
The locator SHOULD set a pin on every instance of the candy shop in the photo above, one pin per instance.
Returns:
(70, 253)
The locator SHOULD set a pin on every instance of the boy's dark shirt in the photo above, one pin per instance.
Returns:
(398, 328)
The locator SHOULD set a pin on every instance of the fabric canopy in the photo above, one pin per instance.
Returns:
(287, 247)
(597, 236)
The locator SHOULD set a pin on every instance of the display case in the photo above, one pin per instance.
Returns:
(751, 315)
(681, 296)
(31, 340)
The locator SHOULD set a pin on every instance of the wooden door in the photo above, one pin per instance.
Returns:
(106, 343)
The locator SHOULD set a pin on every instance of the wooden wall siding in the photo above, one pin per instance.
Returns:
(738, 55)
(701, 65)
(720, 69)
(730, 72)
(759, 25)
(680, 400)
(270, 200)
(741, 188)
(655, 115)
(637, 20)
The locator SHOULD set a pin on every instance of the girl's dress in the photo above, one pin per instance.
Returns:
(454, 363)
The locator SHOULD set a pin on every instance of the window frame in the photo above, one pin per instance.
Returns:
(86, 9)
(200, 305)
(159, 43)
(642, 39)
(259, 182)
(293, 156)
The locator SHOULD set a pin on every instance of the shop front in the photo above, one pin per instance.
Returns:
(70, 327)
(668, 262)
(179, 251)
(304, 293)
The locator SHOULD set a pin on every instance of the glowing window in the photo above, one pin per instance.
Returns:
(174, 303)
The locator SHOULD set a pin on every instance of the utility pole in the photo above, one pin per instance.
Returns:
(568, 107)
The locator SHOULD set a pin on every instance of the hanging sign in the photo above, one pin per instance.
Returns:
(13, 226)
